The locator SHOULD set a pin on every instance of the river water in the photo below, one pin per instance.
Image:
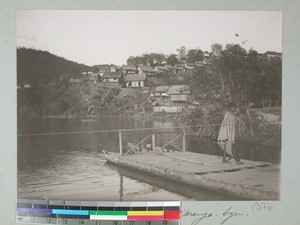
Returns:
(70, 166)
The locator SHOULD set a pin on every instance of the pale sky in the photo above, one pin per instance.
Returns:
(99, 37)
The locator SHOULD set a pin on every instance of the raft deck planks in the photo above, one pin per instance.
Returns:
(254, 180)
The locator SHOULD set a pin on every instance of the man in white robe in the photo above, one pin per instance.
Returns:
(226, 138)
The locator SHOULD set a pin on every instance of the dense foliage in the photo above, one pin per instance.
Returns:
(36, 66)
(233, 75)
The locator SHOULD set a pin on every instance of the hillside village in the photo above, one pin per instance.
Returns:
(158, 88)
(167, 98)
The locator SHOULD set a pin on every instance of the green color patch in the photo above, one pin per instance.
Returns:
(108, 213)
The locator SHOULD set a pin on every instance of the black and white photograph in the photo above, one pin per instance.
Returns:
(149, 105)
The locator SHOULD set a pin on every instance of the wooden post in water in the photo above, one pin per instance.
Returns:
(120, 143)
(184, 141)
(153, 142)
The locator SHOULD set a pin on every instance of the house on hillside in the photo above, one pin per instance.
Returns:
(190, 66)
(113, 68)
(179, 94)
(171, 69)
(135, 80)
(180, 68)
(129, 69)
(99, 70)
(111, 77)
(160, 69)
(161, 93)
(206, 57)
(24, 85)
(206, 54)
(273, 54)
(76, 78)
(149, 71)
(87, 72)
(199, 64)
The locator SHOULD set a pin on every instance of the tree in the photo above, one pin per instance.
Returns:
(181, 54)
(147, 59)
(172, 60)
(139, 101)
(216, 49)
(194, 55)
(233, 75)
(135, 60)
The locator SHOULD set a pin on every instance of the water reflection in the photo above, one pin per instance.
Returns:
(70, 166)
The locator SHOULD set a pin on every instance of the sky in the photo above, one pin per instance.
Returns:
(103, 37)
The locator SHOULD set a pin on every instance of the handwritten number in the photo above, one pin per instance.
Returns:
(65, 221)
(261, 206)
(148, 222)
(165, 222)
(270, 207)
(258, 206)
(131, 222)
(116, 223)
(82, 222)
(264, 205)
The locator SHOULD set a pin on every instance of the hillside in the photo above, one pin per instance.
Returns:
(36, 66)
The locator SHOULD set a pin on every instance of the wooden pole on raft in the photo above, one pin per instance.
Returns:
(184, 141)
(120, 143)
(186, 160)
(153, 142)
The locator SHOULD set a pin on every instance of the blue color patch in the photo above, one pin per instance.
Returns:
(70, 212)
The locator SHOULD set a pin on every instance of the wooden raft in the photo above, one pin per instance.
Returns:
(251, 180)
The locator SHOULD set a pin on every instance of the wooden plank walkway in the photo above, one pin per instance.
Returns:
(253, 180)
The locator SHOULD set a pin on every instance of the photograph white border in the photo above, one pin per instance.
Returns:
(284, 211)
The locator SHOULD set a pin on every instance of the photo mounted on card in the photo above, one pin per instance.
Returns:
(148, 105)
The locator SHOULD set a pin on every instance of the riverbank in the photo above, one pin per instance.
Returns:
(141, 116)
(251, 180)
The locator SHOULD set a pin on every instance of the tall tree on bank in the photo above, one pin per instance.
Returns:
(233, 75)
(172, 60)
(194, 55)
(181, 54)
(147, 59)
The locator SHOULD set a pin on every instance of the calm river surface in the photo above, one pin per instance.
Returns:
(70, 166)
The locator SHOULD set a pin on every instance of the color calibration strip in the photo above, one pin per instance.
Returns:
(91, 212)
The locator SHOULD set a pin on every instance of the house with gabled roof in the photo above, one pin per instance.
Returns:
(148, 70)
(200, 63)
(179, 93)
(160, 93)
(161, 69)
(135, 80)
(129, 69)
(171, 69)
(111, 77)
(190, 66)
(113, 68)
(180, 68)
(100, 69)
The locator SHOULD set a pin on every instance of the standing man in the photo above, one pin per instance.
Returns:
(226, 138)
